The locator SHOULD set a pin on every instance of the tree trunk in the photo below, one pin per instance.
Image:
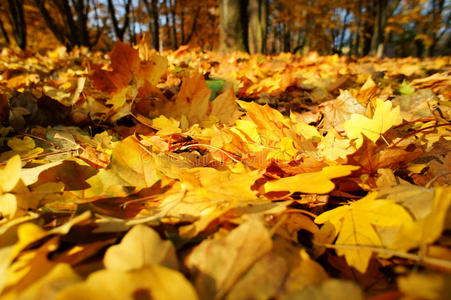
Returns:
(258, 24)
(232, 35)
(343, 31)
(18, 22)
(193, 28)
(119, 31)
(173, 14)
(287, 38)
(74, 30)
(368, 28)
(51, 24)
(384, 9)
(154, 25)
(377, 40)
(357, 32)
(4, 33)
(167, 25)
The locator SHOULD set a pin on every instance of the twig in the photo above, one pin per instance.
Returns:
(430, 182)
(436, 262)
(420, 130)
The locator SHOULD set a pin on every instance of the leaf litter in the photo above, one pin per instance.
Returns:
(136, 175)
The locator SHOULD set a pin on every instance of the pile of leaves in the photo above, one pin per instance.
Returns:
(136, 175)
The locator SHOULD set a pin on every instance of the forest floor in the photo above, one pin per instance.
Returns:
(195, 175)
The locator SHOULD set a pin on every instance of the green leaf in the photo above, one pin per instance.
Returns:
(406, 89)
(215, 85)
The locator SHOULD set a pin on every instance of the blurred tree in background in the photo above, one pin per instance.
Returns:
(357, 27)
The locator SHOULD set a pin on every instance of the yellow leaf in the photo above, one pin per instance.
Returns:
(153, 69)
(166, 126)
(425, 230)
(367, 91)
(21, 145)
(207, 193)
(219, 263)
(118, 99)
(264, 284)
(152, 282)
(30, 265)
(47, 287)
(8, 205)
(308, 272)
(383, 119)
(355, 224)
(15, 198)
(334, 147)
(5, 260)
(270, 122)
(131, 165)
(10, 174)
(25, 147)
(140, 247)
(316, 182)
(192, 103)
(333, 289)
(337, 111)
(425, 285)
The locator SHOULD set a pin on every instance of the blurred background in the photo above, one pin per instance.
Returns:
(391, 28)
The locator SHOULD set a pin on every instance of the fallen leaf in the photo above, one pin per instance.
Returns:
(316, 182)
(152, 282)
(140, 247)
(383, 119)
(264, 284)
(425, 285)
(192, 104)
(48, 286)
(425, 230)
(355, 226)
(218, 264)
(332, 289)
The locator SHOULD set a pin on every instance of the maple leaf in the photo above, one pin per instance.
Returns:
(383, 119)
(270, 123)
(265, 284)
(132, 165)
(205, 194)
(355, 226)
(367, 91)
(425, 285)
(166, 126)
(330, 289)
(192, 104)
(25, 147)
(153, 281)
(333, 147)
(15, 198)
(10, 174)
(30, 266)
(339, 110)
(426, 229)
(316, 182)
(126, 65)
(406, 89)
(141, 246)
(225, 260)
(59, 277)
